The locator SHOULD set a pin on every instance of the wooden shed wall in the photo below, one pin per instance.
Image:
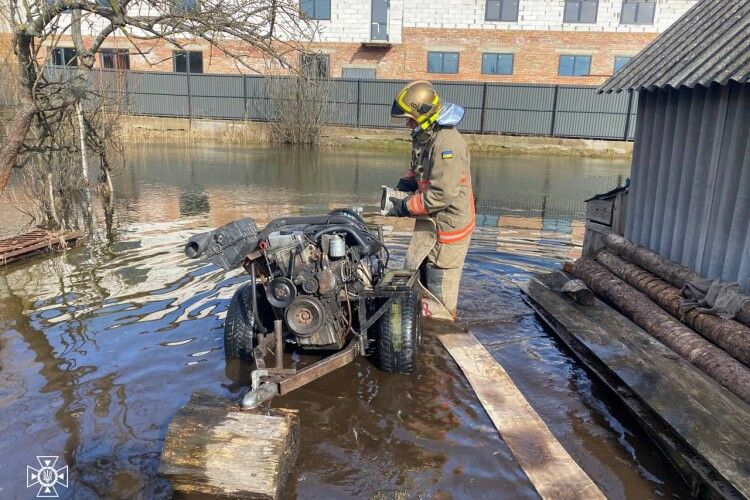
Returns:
(690, 183)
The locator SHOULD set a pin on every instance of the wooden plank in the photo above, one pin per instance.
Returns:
(699, 425)
(599, 211)
(213, 447)
(550, 469)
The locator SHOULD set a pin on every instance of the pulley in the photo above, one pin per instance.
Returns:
(281, 292)
(305, 316)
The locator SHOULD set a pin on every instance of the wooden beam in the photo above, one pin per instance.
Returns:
(702, 428)
(213, 447)
(549, 467)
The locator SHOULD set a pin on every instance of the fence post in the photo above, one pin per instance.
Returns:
(484, 107)
(359, 102)
(189, 97)
(627, 117)
(244, 96)
(554, 111)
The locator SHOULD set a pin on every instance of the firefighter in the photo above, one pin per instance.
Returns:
(440, 195)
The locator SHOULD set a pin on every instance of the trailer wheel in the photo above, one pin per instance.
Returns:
(240, 328)
(399, 333)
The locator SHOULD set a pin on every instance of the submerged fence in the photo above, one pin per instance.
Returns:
(522, 109)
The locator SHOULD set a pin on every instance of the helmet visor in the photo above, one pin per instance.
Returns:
(397, 112)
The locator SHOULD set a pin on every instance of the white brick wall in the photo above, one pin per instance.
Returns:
(350, 19)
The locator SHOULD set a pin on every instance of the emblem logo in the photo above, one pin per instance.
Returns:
(47, 477)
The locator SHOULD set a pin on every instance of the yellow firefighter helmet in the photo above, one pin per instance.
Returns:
(418, 100)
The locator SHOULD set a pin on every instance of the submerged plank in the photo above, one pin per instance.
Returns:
(703, 428)
(26, 245)
(549, 467)
(213, 447)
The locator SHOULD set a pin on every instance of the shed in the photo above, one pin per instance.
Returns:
(690, 179)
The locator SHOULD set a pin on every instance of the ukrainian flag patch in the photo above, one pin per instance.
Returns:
(447, 155)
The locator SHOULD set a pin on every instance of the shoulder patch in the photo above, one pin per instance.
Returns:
(447, 154)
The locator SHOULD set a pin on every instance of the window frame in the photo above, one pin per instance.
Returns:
(498, 55)
(67, 62)
(575, 59)
(442, 54)
(500, 17)
(637, 3)
(315, 16)
(578, 16)
(188, 61)
(317, 58)
(115, 54)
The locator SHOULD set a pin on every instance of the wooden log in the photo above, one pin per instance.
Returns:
(730, 335)
(213, 447)
(714, 362)
(666, 269)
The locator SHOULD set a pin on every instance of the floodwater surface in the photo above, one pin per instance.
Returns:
(100, 347)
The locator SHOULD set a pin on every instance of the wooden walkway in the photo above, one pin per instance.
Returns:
(552, 471)
(701, 427)
(34, 242)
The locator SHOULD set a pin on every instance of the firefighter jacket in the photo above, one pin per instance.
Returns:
(440, 169)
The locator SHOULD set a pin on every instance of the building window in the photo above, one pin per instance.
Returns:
(179, 7)
(316, 9)
(315, 65)
(638, 12)
(575, 66)
(187, 61)
(501, 10)
(497, 64)
(580, 11)
(442, 62)
(64, 56)
(621, 61)
(115, 58)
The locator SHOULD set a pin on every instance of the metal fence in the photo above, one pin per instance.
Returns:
(491, 108)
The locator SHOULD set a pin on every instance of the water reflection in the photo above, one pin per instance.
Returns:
(100, 346)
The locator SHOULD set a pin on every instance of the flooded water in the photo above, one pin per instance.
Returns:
(99, 347)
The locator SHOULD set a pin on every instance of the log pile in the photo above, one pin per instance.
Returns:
(646, 288)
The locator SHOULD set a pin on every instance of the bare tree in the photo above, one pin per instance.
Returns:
(242, 30)
(299, 105)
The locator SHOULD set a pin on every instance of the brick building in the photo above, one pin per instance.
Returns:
(521, 41)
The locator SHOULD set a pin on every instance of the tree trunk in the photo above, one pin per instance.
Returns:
(730, 335)
(672, 272)
(85, 167)
(716, 363)
(19, 127)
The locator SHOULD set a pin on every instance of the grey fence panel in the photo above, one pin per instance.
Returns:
(519, 109)
(259, 109)
(216, 85)
(158, 83)
(343, 114)
(159, 105)
(256, 87)
(376, 115)
(218, 107)
(343, 91)
(633, 116)
(581, 112)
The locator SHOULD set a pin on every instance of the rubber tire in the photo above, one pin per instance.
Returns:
(399, 334)
(239, 327)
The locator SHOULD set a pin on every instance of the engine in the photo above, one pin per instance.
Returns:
(312, 269)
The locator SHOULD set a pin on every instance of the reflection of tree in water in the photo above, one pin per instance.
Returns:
(82, 400)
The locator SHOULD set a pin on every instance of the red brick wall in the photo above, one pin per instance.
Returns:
(536, 54)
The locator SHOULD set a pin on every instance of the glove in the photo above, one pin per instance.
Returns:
(399, 207)
(407, 184)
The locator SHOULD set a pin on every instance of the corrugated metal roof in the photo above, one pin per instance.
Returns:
(709, 44)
